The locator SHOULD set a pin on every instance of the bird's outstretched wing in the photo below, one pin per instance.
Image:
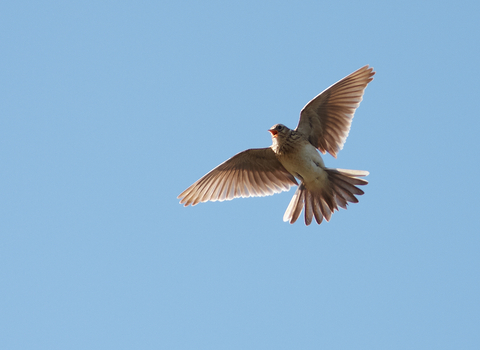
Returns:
(326, 119)
(251, 173)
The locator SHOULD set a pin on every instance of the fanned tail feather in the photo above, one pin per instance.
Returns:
(342, 188)
(296, 205)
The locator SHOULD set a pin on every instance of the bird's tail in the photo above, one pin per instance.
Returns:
(340, 189)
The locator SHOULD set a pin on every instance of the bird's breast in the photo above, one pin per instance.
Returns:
(304, 162)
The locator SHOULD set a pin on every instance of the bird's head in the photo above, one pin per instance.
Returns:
(278, 130)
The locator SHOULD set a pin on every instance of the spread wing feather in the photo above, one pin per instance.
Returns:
(251, 173)
(325, 121)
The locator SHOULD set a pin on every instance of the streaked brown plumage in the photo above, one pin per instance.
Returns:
(324, 125)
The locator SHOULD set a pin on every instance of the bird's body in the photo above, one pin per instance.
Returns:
(298, 156)
(324, 125)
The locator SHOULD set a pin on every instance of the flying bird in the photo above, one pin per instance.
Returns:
(324, 126)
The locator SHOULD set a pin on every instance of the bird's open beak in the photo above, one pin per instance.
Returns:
(273, 132)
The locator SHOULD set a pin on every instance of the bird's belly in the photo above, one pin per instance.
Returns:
(305, 163)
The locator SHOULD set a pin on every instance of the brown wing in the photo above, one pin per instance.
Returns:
(326, 119)
(251, 173)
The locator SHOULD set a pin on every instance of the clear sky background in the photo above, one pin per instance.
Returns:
(110, 109)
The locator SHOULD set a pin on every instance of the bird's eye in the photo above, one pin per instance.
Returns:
(279, 127)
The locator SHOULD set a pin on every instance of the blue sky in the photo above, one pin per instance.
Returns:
(110, 109)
